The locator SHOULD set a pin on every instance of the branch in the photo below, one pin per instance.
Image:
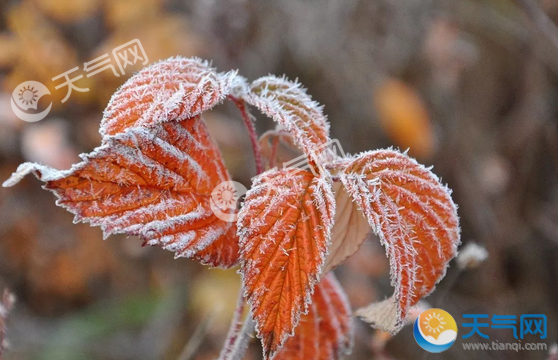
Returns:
(237, 337)
(8, 300)
(249, 123)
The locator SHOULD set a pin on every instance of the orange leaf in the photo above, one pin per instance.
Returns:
(326, 332)
(405, 118)
(154, 183)
(288, 104)
(416, 220)
(284, 229)
(173, 89)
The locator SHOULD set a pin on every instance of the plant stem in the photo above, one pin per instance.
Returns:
(234, 329)
(249, 123)
(6, 305)
(236, 342)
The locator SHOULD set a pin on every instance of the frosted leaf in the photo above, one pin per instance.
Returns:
(288, 104)
(326, 332)
(416, 220)
(173, 89)
(284, 229)
(155, 183)
(350, 229)
(381, 315)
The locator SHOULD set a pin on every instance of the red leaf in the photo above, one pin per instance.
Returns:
(173, 89)
(284, 229)
(416, 220)
(326, 332)
(288, 104)
(154, 183)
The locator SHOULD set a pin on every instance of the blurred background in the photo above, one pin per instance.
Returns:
(470, 86)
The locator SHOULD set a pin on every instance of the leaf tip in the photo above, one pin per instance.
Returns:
(383, 315)
(22, 171)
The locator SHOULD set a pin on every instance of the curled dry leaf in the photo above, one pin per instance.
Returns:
(288, 104)
(326, 332)
(154, 183)
(416, 220)
(171, 90)
(284, 229)
(350, 229)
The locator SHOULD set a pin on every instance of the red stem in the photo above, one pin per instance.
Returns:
(274, 146)
(234, 329)
(236, 342)
(249, 123)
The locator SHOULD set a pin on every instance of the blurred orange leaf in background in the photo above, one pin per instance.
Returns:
(68, 11)
(404, 117)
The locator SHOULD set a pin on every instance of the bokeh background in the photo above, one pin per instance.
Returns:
(470, 86)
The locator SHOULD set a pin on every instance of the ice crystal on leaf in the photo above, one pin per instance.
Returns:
(171, 90)
(326, 332)
(284, 229)
(157, 165)
(413, 215)
(154, 183)
(154, 172)
(288, 104)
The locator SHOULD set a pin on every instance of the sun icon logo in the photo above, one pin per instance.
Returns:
(28, 95)
(434, 322)
(435, 330)
(226, 196)
(224, 199)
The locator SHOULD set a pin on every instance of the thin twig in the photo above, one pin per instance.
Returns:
(274, 146)
(240, 344)
(196, 339)
(237, 339)
(234, 329)
(249, 123)
(8, 300)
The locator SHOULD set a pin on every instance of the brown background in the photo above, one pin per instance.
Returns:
(469, 85)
